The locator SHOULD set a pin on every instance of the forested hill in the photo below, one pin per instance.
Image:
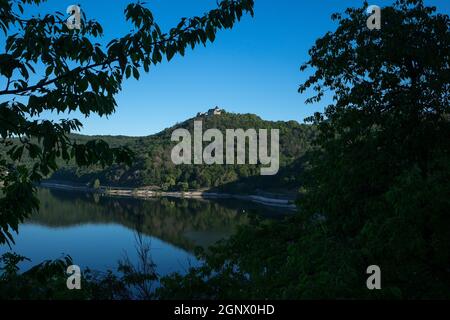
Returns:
(153, 166)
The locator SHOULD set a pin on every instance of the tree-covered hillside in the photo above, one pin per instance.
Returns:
(154, 168)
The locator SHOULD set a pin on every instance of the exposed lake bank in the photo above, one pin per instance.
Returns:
(145, 193)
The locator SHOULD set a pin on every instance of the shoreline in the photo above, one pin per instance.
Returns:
(144, 194)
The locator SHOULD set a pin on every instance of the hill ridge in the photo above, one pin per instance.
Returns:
(153, 165)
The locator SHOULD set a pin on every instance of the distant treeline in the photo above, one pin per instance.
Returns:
(152, 166)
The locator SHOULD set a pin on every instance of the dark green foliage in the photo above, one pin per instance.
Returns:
(80, 75)
(47, 280)
(43, 281)
(378, 190)
(153, 165)
(382, 181)
(96, 184)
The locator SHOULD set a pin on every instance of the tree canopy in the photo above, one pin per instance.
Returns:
(152, 167)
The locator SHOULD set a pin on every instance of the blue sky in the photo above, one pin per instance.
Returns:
(253, 68)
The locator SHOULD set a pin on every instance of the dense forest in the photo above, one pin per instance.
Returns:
(152, 166)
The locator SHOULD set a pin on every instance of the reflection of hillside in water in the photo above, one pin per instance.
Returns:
(185, 223)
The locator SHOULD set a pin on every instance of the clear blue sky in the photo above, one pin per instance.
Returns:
(253, 68)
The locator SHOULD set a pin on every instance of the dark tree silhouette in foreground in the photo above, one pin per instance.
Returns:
(378, 190)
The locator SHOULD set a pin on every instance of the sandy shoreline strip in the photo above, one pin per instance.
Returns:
(142, 193)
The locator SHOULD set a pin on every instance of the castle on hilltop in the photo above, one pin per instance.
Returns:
(211, 112)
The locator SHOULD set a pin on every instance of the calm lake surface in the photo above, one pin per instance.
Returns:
(98, 231)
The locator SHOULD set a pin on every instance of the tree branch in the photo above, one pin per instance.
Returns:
(41, 84)
(48, 82)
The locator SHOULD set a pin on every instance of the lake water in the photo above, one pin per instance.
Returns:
(98, 231)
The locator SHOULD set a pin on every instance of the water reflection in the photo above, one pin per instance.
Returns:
(185, 223)
(97, 231)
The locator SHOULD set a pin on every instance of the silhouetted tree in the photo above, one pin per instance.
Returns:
(378, 188)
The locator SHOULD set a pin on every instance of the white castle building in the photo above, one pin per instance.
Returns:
(211, 112)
